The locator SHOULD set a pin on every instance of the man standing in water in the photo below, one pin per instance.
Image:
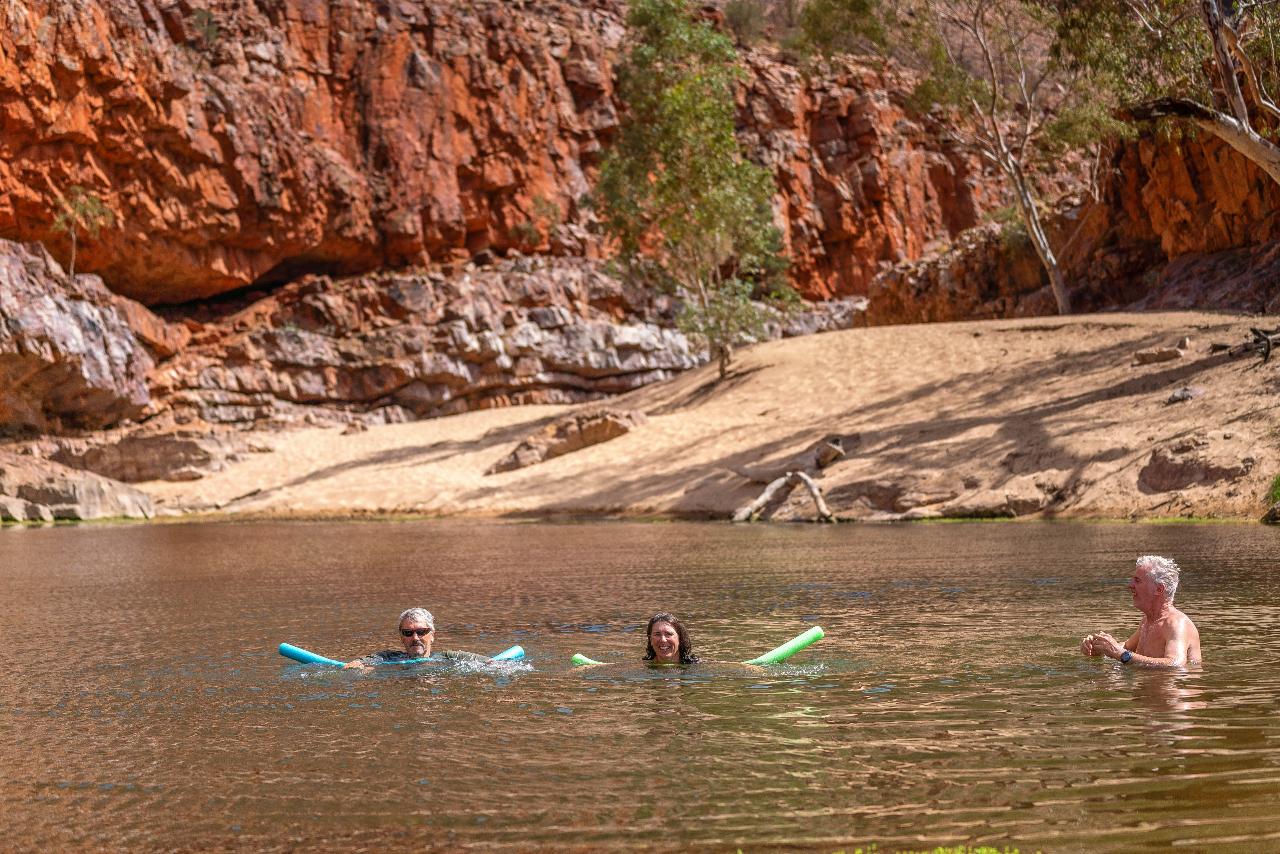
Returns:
(1166, 637)
(417, 631)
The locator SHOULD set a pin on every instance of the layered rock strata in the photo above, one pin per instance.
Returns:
(68, 356)
(400, 346)
(381, 348)
(395, 347)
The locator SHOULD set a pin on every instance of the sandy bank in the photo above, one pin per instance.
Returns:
(1046, 416)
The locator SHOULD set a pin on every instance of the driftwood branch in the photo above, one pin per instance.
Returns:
(1262, 342)
(777, 492)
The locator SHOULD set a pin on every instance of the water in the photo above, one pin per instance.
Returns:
(143, 706)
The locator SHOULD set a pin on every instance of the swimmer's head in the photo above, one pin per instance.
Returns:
(668, 641)
(417, 631)
(1162, 571)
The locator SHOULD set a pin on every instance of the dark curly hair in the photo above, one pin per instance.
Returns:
(686, 645)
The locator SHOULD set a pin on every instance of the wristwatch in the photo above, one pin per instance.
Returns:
(1125, 656)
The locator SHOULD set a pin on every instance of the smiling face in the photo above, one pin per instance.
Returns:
(665, 641)
(416, 637)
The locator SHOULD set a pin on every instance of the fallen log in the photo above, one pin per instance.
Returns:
(1262, 342)
(777, 492)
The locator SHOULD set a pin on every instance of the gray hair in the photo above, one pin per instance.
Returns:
(418, 615)
(1164, 572)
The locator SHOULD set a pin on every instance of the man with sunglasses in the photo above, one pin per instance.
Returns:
(417, 631)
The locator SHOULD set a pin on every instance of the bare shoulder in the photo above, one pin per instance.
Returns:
(1184, 624)
(1190, 637)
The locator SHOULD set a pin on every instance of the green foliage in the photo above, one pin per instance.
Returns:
(205, 26)
(526, 234)
(81, 211)
(746, 19)
(1149, 49)
(1013, 229)
(688, 211)
(943, 82)
(545, 219)
(1273, 494)
(830, 27)
(547, 211)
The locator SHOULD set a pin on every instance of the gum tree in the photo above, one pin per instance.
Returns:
(1020, 107)
(688, 211)
(1212, 63)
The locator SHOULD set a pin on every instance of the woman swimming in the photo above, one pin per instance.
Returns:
(668, 641)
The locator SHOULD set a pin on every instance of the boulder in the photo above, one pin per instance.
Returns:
(43, 490)
(68, 357)
(14, 509)
(571, 433)
(1184, 394)
(178, 456)
(1156, 354)
(1194, 461)
(1018, 496)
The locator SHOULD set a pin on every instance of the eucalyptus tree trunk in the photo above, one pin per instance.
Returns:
(1213, 19)
(1035, 230)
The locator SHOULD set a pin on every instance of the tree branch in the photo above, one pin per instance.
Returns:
(1241, 137)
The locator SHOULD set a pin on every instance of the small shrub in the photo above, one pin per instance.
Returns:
(746, 19)
(81, 211)
(526, 234)
(547, 211)
(202, 21)
(1013, 228)
(1273, 495)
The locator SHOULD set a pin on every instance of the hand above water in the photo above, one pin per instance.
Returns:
(1086, 646)
(1101, 643)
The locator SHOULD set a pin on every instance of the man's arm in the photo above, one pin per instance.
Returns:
(1091, 645)
(1174, 649)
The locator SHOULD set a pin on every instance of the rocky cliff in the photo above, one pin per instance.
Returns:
(253, 142)
(1179, 224)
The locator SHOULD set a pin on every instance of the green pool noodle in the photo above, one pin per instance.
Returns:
(790, 648)
(773, 656)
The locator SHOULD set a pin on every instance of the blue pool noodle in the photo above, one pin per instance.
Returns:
(304, 656)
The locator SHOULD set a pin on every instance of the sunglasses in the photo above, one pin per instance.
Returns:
(422, 633)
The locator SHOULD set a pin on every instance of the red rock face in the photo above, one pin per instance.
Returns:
(277, 138)
(863, 183)
(1191, 225)
(300, 136)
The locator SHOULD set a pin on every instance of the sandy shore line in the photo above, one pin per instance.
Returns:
(1034, 417)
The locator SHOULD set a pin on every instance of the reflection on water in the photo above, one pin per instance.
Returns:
(143, 706)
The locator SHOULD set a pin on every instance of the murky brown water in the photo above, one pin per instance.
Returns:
(143, 705)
